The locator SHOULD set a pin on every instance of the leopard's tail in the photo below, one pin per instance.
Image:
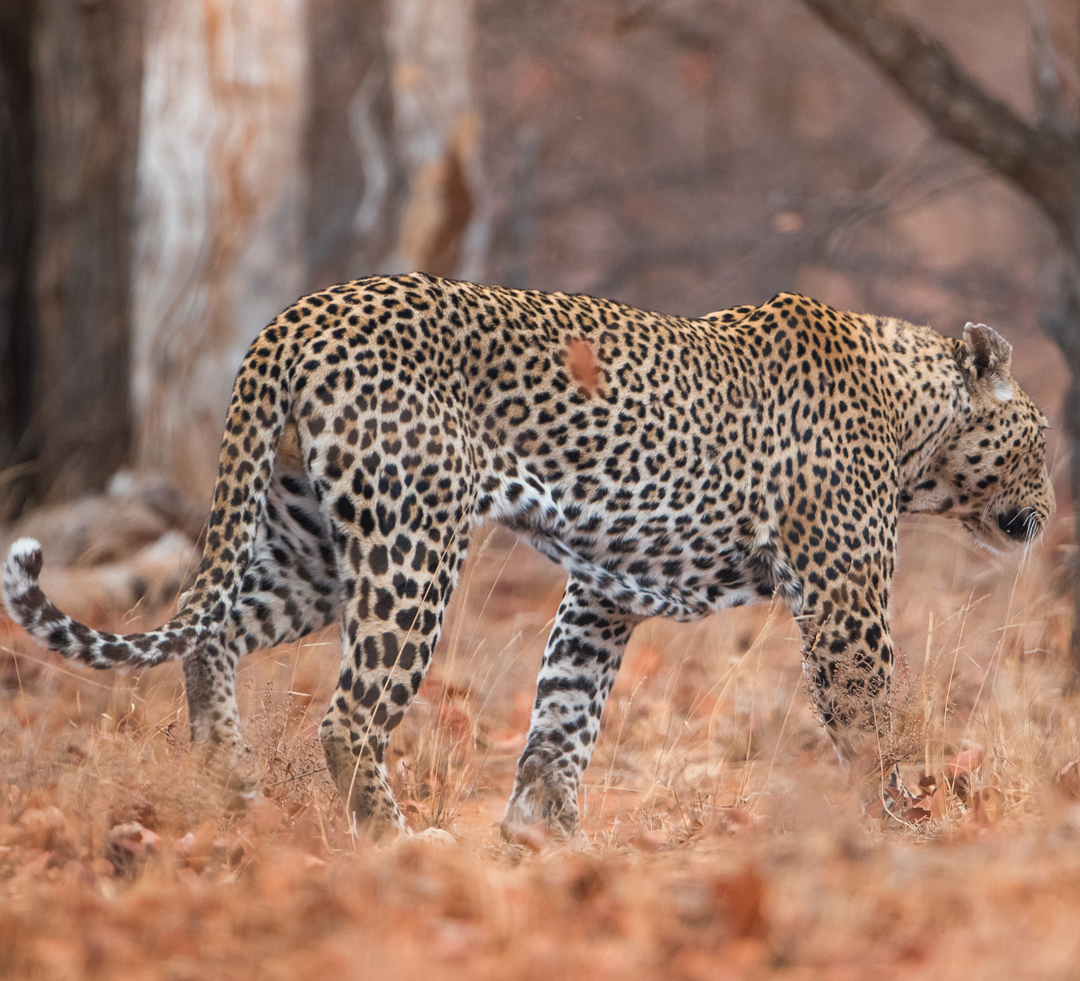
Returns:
(28, 606)
(255, 420)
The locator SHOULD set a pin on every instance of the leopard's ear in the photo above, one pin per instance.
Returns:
(985, 358)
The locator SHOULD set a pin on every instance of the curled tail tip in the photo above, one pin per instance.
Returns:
(25, 551)
(29, 607)
(21, 570)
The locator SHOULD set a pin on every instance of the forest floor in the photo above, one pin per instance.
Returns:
(722, 839)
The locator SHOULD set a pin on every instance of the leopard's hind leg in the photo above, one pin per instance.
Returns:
(581, 660)
(289, 590)
(397, 587)
(400, 528)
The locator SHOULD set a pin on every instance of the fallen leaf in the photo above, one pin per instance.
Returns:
(960, 772)
(727, 820)
(919, 809)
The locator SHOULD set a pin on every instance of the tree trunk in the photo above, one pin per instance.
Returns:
(356, 183)
(87, 72)
(17, 324)
(220, 190)
(445, 225)
(392, 143)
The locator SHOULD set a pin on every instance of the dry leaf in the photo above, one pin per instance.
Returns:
(730, 819)
(919, 809)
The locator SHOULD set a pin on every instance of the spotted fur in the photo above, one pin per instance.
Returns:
(673, 467)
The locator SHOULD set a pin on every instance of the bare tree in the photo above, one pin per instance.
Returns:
(1041, 159)
(218, 240)
(393, 146)
(220, 244)
(443, 228)
(355, 178)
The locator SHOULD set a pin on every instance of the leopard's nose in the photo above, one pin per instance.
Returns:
(1019, 527)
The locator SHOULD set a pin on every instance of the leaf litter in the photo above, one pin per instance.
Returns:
(721, 839)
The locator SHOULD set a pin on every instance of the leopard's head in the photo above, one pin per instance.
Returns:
(990, 470)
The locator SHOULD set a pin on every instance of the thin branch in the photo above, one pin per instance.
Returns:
(1040, 161)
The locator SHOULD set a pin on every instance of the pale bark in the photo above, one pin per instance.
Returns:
(220, 211)
(444, 229)
(355, 179)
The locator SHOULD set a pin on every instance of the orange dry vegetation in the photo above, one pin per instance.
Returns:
(722, 839)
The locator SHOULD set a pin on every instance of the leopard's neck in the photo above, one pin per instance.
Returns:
(928, 394)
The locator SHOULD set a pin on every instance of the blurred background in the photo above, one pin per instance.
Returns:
(174, 173)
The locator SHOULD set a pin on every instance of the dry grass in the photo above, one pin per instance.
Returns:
(721, 839)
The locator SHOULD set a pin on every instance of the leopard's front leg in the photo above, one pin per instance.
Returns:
(289, 589)
(581, 659)
(848, 660)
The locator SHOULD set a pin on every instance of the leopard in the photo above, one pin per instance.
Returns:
(672, 466)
